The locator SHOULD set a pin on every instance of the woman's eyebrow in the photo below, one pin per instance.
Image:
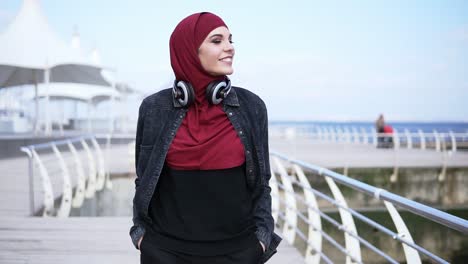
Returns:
(219, 35)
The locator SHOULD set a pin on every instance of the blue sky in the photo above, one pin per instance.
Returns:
(309, 60)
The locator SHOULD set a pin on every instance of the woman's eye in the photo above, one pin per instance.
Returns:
(218, 41)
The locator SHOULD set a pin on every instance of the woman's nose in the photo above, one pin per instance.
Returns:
(229, 47)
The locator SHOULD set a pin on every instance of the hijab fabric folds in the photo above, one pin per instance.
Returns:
(206, 139)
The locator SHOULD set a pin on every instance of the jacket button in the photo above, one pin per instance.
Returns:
(172, 133)
(240, 132)
(250, 171)
(248, 152)
(230, 113)
(181, 116)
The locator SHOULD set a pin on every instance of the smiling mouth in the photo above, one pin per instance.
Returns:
(227, 59)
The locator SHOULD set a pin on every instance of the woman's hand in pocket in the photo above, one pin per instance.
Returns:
(139, 242)
(263, 246)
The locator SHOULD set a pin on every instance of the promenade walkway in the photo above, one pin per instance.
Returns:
(90, 240)
(78, 240)
(339, 155)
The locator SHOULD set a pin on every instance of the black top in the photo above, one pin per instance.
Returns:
(202, 212)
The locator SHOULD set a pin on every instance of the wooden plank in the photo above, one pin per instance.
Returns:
(82, 240)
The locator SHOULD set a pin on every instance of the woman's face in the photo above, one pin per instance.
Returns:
(216, 53)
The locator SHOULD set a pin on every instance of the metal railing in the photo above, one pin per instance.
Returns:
(291, 173)
(78, 163)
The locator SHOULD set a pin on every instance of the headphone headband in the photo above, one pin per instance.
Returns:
(216, 92)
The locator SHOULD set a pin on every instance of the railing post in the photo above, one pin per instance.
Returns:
(437, 140)
(352, 244)
(46, 185)
(319, 133)
(356, 138)
(396, 145)
(332, 135)
(31, 179)
(443, 172)
(107, 167)
(339, 133)
(412, 256)
(409, 139)
(454, 142)
(347, 134)
(91, 187)
(374, 137)
(289, 229)
(365, 138)
(78, 198)
(422, 139)
(65, 204)
(396, 139)
(275, 204)
(315, 237)
(101, 172)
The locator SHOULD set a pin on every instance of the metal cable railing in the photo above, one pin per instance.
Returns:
(446, 219)
(61, 159)
(342, 228)
(337, 224)
(304, 238)
(388, 198)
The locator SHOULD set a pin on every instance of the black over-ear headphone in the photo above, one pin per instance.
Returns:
(216, 91)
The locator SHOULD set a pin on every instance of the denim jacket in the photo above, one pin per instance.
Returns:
(159, 118)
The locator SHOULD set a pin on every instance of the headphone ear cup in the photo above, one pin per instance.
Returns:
(216, 91)
(183, 92)
(190, 94)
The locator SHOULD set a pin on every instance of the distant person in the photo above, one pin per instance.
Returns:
(202, 161)
(388, 138)
(379, 127)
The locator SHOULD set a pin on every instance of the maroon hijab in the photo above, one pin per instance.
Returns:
(206, 139)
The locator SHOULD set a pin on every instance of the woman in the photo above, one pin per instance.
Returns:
(202, 162)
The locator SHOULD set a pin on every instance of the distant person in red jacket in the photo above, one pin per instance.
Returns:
(388, 129)
(388, 137)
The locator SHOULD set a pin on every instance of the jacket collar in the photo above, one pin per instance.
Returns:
(230, 100)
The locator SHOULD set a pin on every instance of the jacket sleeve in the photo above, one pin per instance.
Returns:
(262, 213)
(138, 230)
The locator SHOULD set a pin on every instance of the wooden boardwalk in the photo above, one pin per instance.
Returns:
(90, 240)
(79, 240)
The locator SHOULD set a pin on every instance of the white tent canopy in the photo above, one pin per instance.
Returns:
(28, 47)
(30, 53)
(79, 92)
